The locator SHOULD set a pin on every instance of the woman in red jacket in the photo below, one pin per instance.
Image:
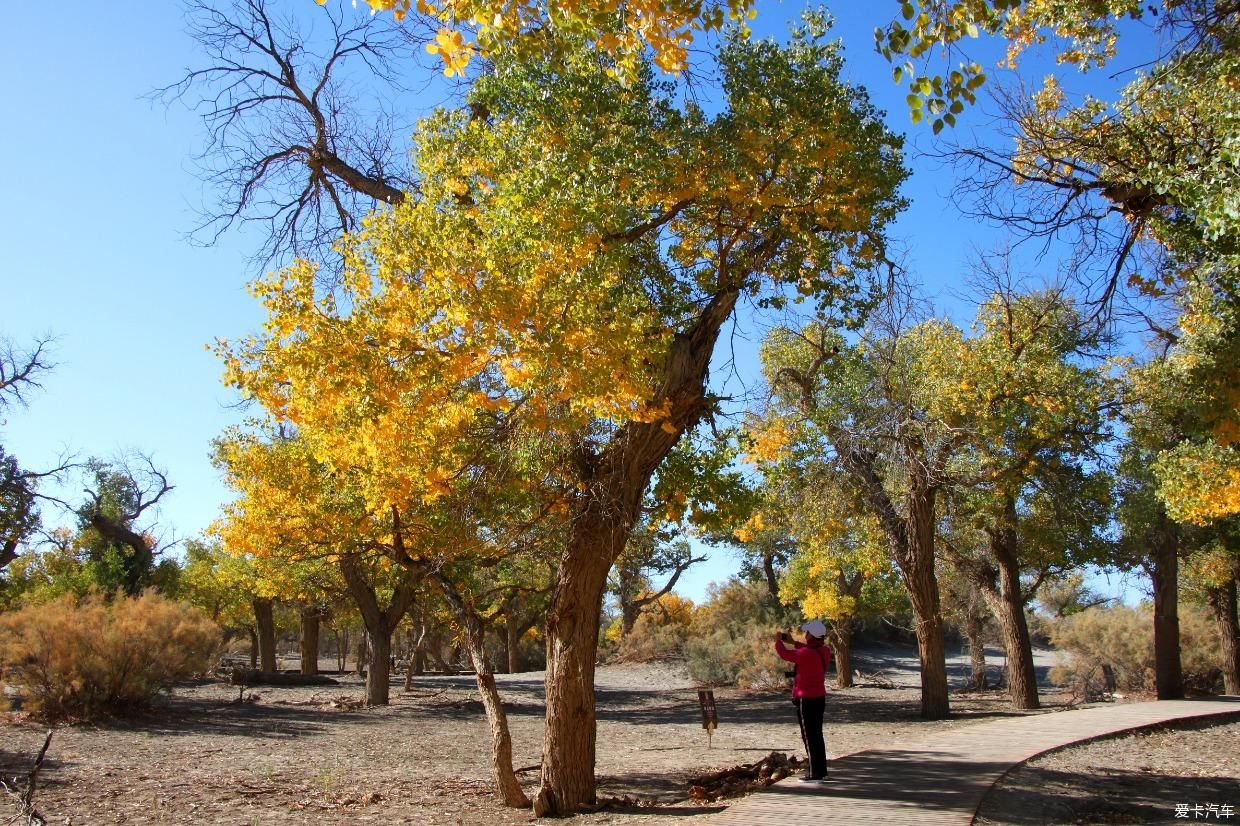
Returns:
(809, 691)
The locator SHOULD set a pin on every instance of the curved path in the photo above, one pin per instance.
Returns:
(944, 781)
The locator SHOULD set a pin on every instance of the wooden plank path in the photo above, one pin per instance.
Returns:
(943, 780)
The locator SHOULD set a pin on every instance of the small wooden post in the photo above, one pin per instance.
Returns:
(710, 721)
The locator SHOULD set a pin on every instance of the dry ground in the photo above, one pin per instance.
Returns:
(294, 756)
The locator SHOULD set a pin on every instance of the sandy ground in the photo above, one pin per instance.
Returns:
(294, 756)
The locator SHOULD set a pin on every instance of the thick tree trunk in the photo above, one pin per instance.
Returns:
(379, 669)
(911, 540)
(379, 622)
(1164, 570)
(1008, 606)
(264, 620)
(310, 619)
(567, 782)
(615, 480)
(841, 631)
(1223, 606)
(923, 587)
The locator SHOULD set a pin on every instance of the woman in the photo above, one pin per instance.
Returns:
(809, 691)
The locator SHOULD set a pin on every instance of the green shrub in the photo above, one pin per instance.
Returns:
(81, 658)
(747, 660)
(1122, 637)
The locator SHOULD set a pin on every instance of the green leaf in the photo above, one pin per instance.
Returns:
(897, 74)
(915, 115)
(938, 126)
(950, 120)
(971, 29)
(906, 10)
(913, 101)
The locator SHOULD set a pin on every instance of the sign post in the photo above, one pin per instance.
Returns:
(710, 722)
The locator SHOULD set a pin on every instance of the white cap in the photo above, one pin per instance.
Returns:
(815, 628)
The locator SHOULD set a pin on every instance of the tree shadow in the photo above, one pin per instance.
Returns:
(1035, 796)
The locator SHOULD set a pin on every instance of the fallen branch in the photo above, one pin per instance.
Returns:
(26, 798)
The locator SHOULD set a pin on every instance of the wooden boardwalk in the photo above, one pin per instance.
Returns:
(944, 780)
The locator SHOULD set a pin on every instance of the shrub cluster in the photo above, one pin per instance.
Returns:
(79, 658)
(1122, 639)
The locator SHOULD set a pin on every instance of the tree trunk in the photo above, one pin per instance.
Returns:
(379, 622)
(379, 668)
(923, 588)
(614, 480)
(841, 631)
(973, 625)
(1008, 606)
(569, 739)
(911, 540)
(1223, 606)
(310, 618)
(264, 619)
(501, 741)
(1164, 573)
(342, 650)
(253, 648)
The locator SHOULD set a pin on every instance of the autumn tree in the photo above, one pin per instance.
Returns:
(841, 571)
(580, 215)
(857, 406)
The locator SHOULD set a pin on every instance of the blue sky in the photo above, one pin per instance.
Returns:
(100, 192)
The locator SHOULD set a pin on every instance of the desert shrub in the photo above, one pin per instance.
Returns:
(1122, 637)
(659, 632)
(84, 657)
(747, 660)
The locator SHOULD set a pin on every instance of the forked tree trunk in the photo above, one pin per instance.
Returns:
(1164, 570)
(310, 619)
(910, 537)
(1223, 607)
(501, 740)
(380, 623)
(264, 621)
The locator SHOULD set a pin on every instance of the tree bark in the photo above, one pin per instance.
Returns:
(841, 631)
(615, 480)
(1222, 601)
(1008, 606)
(379, 622)
(264, 620)
(310, 620)
(911, 540)
(1164, 571)
(253, 648)
(977, 651)
(917, 570)
(501, 740)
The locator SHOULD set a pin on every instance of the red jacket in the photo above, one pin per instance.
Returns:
(812, 661)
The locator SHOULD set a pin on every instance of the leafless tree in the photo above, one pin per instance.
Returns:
(304, 129)
(21, 369)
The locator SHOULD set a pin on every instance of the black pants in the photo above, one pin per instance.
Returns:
(809, 715)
